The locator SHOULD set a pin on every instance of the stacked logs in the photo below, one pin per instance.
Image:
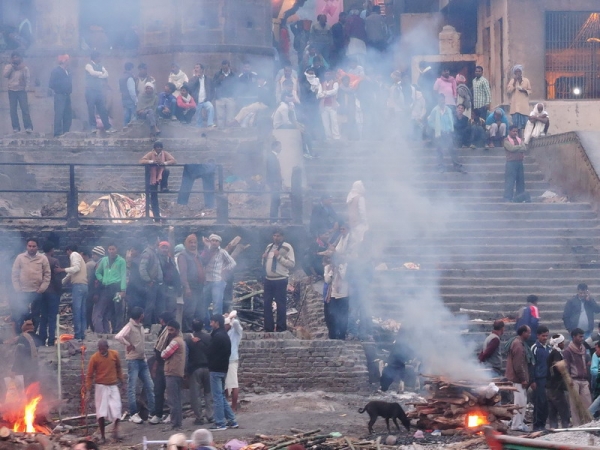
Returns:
(450, 403)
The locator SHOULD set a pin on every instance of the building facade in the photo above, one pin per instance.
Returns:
(157, 32)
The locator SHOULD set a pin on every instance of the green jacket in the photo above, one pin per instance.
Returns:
(111, 274)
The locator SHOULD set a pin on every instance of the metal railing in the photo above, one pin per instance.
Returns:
(73, 218)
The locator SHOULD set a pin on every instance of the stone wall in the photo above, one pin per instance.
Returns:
(273, 363)
(269, 362)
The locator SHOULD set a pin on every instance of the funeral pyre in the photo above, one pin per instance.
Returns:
(462, 406)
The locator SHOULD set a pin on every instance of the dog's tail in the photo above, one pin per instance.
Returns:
(362, 410)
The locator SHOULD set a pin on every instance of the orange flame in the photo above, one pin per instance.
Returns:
(27, 422)
(476, 419)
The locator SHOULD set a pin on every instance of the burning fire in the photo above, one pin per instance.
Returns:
(26, 423)
(476, 419)
(23, 417)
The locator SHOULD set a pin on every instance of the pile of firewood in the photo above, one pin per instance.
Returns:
(450, 403)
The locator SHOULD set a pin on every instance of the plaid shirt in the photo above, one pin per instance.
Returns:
(215, 263)
(482, 95)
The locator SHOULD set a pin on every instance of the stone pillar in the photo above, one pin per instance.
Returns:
(449, 41)
(57, 25)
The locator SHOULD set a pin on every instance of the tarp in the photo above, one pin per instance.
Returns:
(118, 206)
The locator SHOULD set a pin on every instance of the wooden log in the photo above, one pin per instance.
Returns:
(4, 433)
(582, 411)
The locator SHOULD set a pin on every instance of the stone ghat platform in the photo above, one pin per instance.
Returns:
(269, 362)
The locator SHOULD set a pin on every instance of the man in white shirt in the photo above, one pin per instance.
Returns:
(278, 260)
(95, 76)
(201, 90)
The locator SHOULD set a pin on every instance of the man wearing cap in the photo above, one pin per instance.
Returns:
(26, 354)
(556, 389)
(217, 263)
(30, 279)
(61, 83)
(235, 332)
(157, 175)
(152, 275)
(146, 108)
(277, 260)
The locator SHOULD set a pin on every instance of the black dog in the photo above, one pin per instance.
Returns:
(387, 411)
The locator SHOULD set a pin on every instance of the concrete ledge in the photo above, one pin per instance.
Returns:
(571, 161)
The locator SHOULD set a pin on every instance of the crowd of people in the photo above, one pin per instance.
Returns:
(533, 363)
(144, 286)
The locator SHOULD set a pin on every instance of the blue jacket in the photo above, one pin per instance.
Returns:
(527, 318)
(166, 100)
(490, 119)
(541, 354)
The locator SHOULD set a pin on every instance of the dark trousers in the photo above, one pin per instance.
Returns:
(63, 114)
(49, 310)
(103, 308)
(540, 405)
(445, 143)
(275, 203)
(329, 319)
(514, 175)
(275, 290)
(194, 307)
(174, 388)
(96, 103)
(20, 98)
(117, 317)
(164, 184)
(558, 406)
(160, 385)
(185, 115)
(89, 305)
(483, 112)
(478, 136)
(166, 300)
(339, 309)
(190, 173)
(150, 300)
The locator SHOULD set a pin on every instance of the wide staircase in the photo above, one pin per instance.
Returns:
(480, 254)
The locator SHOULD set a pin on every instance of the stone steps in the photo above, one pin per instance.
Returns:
(486, 254)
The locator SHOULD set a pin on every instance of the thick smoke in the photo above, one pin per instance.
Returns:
(403, 215)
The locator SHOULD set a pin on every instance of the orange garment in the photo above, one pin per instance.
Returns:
(354, 79)
(104, 369)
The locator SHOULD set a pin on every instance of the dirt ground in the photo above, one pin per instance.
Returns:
(275, 414)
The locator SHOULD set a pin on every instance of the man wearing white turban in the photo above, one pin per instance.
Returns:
(555, 387)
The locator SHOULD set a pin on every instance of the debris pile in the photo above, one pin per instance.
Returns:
(462, 407)
(248, 301)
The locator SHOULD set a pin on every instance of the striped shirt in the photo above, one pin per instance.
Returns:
(482, 95)
(215, 262)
